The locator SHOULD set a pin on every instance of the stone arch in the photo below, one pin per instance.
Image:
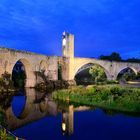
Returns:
(123, 68)
(30, 75)
(92, 63)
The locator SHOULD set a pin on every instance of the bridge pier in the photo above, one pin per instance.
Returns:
(30, 82)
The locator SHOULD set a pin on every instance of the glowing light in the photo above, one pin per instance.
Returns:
(64, 42)
(63, 126)
(64, 33)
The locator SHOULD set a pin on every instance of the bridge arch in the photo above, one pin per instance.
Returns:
(30, 80)
(88, 65)
(123, 68)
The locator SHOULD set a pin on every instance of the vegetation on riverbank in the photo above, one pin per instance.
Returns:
(6, 84)
(111, 97)
(3, 133)
(2, 123)
(5, 136)
(2, 119)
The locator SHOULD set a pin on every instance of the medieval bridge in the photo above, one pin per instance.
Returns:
(70, 65)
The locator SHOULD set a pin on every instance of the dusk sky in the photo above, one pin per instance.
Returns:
(99, 26)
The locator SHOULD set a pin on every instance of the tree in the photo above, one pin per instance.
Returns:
(97, 73)
(103, 57)
(5, 81)
(129, 76)
(133, 60)
(114, 56)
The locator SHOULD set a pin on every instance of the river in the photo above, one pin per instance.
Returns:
(36, 116)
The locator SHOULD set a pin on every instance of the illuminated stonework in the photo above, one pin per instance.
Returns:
(71, 65)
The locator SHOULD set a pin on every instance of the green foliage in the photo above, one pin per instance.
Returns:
(2, 119)
(8, 137)
(3, 123)
(97, 73)
(5, 81)
(112, 82)
(112, 97)
(129, 76)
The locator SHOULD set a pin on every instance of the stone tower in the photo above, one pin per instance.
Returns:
(68, 55)
(68, 45)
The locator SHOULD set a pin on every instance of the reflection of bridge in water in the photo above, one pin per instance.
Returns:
(32, 111)
(38, 106)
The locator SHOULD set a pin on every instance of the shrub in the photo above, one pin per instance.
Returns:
(115, 97)
(5, 81)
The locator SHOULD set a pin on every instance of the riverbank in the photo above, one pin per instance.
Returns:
(49, 85)
(114, 97)
(8, 90)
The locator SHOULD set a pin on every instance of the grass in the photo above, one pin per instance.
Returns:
(2, 123)
(8, 137)
(113, 97)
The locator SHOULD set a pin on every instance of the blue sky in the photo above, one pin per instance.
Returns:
(99, 26)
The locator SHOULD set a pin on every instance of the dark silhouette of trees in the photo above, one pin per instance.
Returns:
(133, 60)
(112, 57)
(116, 57)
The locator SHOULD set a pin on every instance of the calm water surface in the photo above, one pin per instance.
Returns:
(35, 116)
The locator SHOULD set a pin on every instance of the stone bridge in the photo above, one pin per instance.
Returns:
(32, 62)
(112, 69)
(70, 65)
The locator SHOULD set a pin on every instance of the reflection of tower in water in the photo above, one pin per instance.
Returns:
(68, 121)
